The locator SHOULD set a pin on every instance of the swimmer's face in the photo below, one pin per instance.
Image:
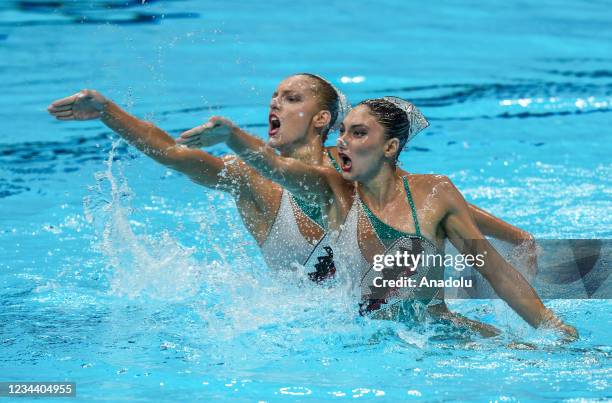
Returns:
(363, 146)
(293, 111)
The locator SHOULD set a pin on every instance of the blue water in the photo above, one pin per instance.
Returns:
(129, 280)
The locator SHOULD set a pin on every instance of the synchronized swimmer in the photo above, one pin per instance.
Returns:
(359, 203)
(284, 200)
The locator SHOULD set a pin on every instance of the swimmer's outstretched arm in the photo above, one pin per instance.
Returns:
(309, 181)
(507, 282)
(200, 166)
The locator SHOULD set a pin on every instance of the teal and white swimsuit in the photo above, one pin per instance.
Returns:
(393, 303)
(285, 246)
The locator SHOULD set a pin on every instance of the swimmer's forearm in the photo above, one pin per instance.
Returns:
(245, 144)
(242, 141)
(507, 282)
(297, 176)
(512, 287)
(253, 151)
(198, 165)
(145, 136)
(497, 228)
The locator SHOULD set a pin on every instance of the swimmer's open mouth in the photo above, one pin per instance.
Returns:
(274, 123)
(345, 162)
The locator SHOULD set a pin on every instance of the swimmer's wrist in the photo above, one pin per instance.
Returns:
(550, 320)
(234, 134)
(522, 238)
(235, 131)
(107, 108)
(529, 241)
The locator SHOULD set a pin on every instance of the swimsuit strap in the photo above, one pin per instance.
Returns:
(310, 211)
(384, 231)
(414, 212)
(333, 161)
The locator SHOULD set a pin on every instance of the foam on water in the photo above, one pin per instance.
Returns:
(155, 266)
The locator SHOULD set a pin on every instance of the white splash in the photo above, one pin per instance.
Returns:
(153, 265)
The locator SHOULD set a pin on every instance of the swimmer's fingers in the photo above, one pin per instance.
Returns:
(551, 321)
(196, 131)
(568, 333)
(61, 108)
(63, 114)
(188, 134)
(191, 140)
(192, 143)
(71, 117)
(182, 139)
(215, 135)
(208, 134)
(64, 101)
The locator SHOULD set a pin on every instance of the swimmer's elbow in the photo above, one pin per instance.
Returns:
(190, 161)
(172, 157)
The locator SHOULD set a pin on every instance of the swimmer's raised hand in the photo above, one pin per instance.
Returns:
(216, 130)
(84, 105)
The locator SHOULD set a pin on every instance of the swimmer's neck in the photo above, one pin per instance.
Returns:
(309, 151)
(381, 188)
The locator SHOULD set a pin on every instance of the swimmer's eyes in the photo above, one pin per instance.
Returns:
(356, 132)
(288, 97)
(293, 98)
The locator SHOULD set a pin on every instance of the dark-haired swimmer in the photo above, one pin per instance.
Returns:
(373, 206)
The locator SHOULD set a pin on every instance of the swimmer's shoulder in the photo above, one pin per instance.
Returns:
(425, 185)
(243, 181)
(428, 179)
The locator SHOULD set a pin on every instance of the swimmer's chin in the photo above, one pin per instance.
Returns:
(349, 176)
(346, 175)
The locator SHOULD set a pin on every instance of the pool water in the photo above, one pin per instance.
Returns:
(133, 282)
